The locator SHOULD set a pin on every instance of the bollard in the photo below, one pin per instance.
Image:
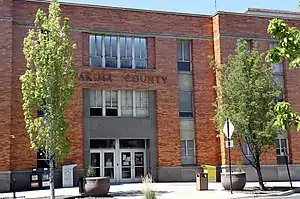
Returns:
(80, 185)
(14, 188)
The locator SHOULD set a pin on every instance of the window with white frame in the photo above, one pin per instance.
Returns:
(278, 72)
(183, 55)
(118, 52)
(281, 148)
(111, 103)
(96, 101)
(187, 148)
(185, 104)
(141, 103)
(125, 103)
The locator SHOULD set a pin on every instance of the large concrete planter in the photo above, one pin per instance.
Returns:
(96, 186)
(238, 180)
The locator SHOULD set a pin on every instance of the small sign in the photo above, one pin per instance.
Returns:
(229, 143)
(225, 128)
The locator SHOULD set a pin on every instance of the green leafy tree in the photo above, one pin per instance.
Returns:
(48, 84)
(288, 48)
(246, 93)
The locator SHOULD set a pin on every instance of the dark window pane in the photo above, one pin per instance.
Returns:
(280, 159)
(183, 66)
(95, 159)
(132, 143)
(109, 172)
(139, 172)
(42, 163)
(111, 112)
(110, 62)
(139, 159)
(126, 63)
(40, 113)
(186, 114)
(126, 159)
(95, 111)
(109, 159)
(126, 172)
(185, 102)
(102, 143)
(97, 172)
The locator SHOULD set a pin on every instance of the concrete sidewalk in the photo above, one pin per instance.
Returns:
(164, 191)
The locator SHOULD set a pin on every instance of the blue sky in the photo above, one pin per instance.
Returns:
(195, 6)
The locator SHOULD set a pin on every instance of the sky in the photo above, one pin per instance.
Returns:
(195, 6)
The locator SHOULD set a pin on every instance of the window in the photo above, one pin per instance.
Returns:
(96, 103)
(140, 55)
(126, 52)
(185, 82)
(249, 45)
(125, 103)
(278, 73)
(102, 143)
(187, 129)
(132, 143)
(42, 160)
(281, 148)
(187, 152)
(141, 101)
(111, 103)
(185, 104)
(110, 52)
(183, 55)
(118, 52)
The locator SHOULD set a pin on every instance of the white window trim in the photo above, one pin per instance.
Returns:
(187, 149)
(103, 64)
(119, 103)
(281, 148)
(181, 42)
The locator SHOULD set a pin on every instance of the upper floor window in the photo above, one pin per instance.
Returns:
(125, 103)
(118, 52)
(278, 72)
(183, 55)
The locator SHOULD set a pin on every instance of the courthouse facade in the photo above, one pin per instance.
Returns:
(144, 92)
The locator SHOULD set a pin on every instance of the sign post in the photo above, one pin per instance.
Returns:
(228, 131)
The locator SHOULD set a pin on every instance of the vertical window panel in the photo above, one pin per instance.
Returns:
(127, 103)
(185, 82)
(141, 100)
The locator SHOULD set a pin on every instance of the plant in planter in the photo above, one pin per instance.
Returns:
(238, 179)
(148, 191)
(96, 186)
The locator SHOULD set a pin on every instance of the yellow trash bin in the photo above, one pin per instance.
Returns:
(212, 172)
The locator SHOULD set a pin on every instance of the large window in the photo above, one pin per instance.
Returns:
(278, 73)
(185, 95)
(187, 152)
(281, 148)
(42, 160)
(125, 103)
(183, 55)
(118, 52)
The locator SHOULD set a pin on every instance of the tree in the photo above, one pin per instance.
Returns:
(288, 48)
(48, 84)
(246, 93)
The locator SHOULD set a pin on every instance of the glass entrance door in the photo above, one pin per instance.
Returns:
(103, 163)
(132, 165)
(139, 165)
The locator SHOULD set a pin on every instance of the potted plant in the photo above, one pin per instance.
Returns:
(238, 179)
(96, 186)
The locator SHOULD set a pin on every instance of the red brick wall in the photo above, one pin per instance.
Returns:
(5, 90)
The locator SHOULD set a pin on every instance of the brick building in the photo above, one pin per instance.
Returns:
(143, 100)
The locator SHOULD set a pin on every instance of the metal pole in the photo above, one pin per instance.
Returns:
(14, 188)
(229, 159)
(287, 166)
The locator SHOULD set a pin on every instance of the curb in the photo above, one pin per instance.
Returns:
(285, 193)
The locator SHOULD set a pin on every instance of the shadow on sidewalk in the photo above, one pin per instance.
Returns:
(131, 193)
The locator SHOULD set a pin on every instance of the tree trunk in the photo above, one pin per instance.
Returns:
(51, 177)
(260, 177)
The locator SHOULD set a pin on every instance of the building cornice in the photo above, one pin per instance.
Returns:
(127, 9)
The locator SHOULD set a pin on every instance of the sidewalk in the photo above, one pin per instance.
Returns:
(164, 191)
